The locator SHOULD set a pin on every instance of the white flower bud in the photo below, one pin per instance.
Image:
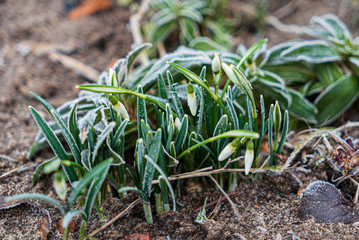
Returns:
(230, 74)
(121, 110)
(191, 99)
(60, 186)
(216, 64)
(248, 157)
(228, 150)
(111, 73)
(178, 124)
(52, 166)
(119, 107)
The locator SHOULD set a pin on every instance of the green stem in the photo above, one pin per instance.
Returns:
(159, 203)
(233, 182)
(233, 133)
(109, 89)
(148, 212)
(82, 230)
(65, 235)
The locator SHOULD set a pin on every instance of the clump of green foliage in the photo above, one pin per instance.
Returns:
(177, 117)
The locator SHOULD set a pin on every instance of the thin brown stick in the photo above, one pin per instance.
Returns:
(272, 20)
(135, 20)
(116, 218)
(8, 158)
(76, 66)
(228, 198)
(201, 173)
(19, 169)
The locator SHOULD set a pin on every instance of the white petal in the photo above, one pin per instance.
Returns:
(248, 160)
(192, 103)
(226, 152)
(230, 74)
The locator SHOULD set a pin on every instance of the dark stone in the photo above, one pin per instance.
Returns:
(324, 202)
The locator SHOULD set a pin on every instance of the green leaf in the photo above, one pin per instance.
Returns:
(164, 177)
(205, 44)
(141, 193)
(251, 51)
(328, 73)
(93, 191)
(101, 139)
(160, 33)
(302, 108)
(284, 132)
(162, 87)
(34, 196)
(315, 51)
(54, 143)
(70, 215)
(67, 135)
(86, 158)
(270, 134)
(336, 99)
(72, 125)
(174, 96)
(141, 112)
(109, 89)
(333, 25)
(87, 179)
(149, 169)
(131, 56)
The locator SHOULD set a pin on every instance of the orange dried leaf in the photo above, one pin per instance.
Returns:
(139, 236)
(89, 7)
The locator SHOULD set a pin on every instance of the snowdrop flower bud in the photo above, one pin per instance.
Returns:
(248, 157)
(113, 77)
(178, 124)
(111, 73)
(228, 150)
(216, 64)
(52, 166)
(119, 108)
(191, 99)
(230, 74)
(277, 117)
(60, 186)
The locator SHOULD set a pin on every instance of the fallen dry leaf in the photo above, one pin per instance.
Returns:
(89, 7)
(72, 226)
(139, 236)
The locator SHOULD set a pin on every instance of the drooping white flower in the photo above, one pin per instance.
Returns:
(230, 74)
(60, 186)
(248, 157)
(228, 150)
(53, 166)
(191, 99)
(119, 108)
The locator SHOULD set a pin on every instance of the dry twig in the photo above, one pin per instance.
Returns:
(19, 169)
(135, 20)
(228, 198)
(121, 214)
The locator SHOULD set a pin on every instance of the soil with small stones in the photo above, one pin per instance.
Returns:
(268, 206)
